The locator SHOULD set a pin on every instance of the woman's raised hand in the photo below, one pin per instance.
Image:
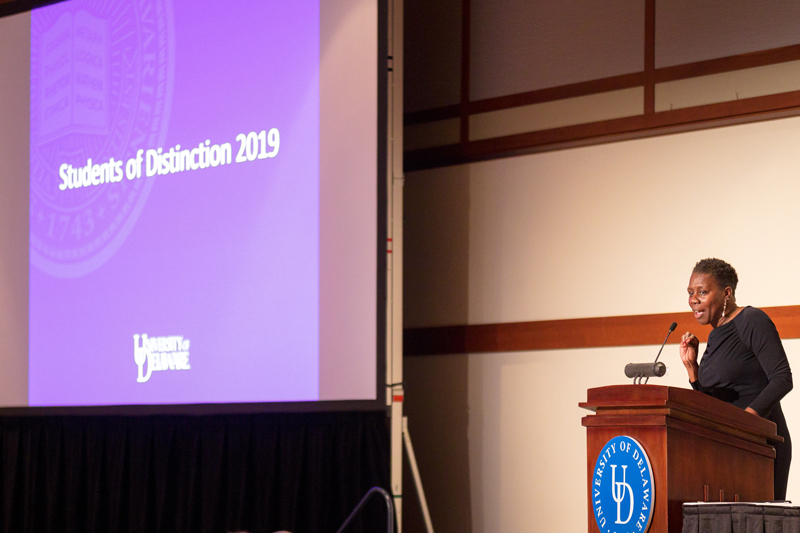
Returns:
(688, 353)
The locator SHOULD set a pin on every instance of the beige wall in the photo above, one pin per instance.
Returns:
(695, 31)
(595, 231)
(519, 45)
(14, 105)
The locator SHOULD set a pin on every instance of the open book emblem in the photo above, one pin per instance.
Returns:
(73, 69)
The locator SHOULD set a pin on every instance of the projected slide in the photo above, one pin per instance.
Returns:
(174, 202)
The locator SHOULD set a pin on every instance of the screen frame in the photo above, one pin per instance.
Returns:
(379, 403)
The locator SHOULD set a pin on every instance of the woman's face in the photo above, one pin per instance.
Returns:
(706, 299)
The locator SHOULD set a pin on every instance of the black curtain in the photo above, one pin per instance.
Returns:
(259, 473)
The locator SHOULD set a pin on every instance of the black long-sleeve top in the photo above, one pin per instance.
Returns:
(745, 364)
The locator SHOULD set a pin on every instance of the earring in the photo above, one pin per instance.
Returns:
(724, 307)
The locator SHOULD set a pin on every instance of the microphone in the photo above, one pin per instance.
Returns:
(645, 370)
(637, 371)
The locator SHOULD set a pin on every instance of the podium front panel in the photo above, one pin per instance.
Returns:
(699, 449)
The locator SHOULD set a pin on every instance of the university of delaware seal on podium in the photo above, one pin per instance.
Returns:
(622, 488)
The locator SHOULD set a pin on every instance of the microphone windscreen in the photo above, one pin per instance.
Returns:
(645, 370)
(673, 326)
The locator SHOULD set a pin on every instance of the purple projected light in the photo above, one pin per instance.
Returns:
(174, 215)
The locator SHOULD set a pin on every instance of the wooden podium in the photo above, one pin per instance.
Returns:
(700, 448)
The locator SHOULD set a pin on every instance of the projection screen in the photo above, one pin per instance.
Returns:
(204, 204)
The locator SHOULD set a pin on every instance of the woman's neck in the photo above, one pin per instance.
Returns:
(731, 311)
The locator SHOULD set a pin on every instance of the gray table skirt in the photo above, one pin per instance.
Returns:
(741, 518)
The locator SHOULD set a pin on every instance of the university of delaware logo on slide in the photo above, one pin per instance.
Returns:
(622, 487)
(153, 354)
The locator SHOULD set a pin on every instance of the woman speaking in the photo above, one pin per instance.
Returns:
(744, 362)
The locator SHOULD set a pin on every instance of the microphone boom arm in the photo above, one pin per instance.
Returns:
(657, 370)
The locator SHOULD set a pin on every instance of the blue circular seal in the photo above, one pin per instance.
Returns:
(622, 488)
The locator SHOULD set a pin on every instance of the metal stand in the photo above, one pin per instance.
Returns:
(389, 509)
(394, 252)
(395, 393)
(412, 462)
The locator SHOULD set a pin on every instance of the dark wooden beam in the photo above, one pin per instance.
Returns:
(624, 81)
(649, 56)
(465, 60)
(585, 88)
(432, 115)
(634, 330)
(761, 58)
(672, 121)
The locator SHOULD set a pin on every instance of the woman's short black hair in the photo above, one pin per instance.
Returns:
(723, 273)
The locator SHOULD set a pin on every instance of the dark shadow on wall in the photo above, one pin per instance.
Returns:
(436, 248)
(438, 418)
(436, 277)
